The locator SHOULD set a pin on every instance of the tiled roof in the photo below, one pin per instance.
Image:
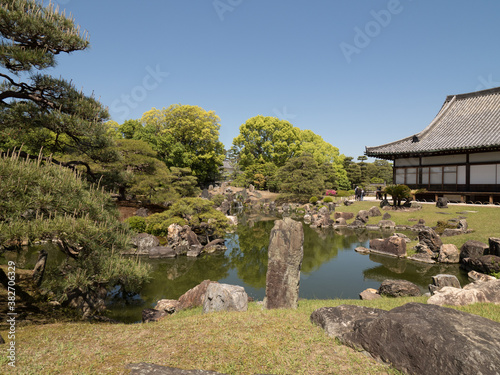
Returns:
(465, 122)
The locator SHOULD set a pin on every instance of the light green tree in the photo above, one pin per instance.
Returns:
(326, 155)
(37, 110)
(266, 140)
(185, 136)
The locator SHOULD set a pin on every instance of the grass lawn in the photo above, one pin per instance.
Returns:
(257, 341)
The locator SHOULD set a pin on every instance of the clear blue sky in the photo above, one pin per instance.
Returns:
(358, 73)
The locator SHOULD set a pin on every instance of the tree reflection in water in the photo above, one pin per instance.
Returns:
(330, 268)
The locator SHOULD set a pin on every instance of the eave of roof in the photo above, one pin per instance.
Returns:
(465, 122)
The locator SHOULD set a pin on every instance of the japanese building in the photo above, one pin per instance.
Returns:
(457, 155)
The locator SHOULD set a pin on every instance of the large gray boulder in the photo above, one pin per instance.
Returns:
(285, 259)
(427, 339)
(225, 297)
(161, 252)
(337, 321)
(482, 291)
(394, 245)
(441, 280)
(363, 216)
(143, 242)
(374, 211)
(486, 264)
(344, 215)
(442, 202)
(449, 253)
(431, 239)
(494, 248)
(399, 288)
(473, 249)
(194, 297)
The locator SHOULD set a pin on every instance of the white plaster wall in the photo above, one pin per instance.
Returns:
(444, 159)
(406, 162)
(484, 156)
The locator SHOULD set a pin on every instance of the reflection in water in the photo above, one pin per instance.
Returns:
(330, 268)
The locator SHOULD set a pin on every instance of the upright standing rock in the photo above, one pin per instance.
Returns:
(285, 259)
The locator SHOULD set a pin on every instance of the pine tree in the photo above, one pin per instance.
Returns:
(38, 110)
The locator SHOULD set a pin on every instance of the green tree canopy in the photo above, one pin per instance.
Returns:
(266, 139)
(301, 175)
(185, 136)
(36, 109)
(138, 171)
(327, 156)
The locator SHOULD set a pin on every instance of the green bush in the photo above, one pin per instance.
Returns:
(136, 223)
(313, 200)
(192, 212)
(345, 193)
(327, 199)
(157, 224)
(217, 200)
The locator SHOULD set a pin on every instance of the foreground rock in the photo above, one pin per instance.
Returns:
(285, 259)
(417, 338)
(225, 297)
(194, 297)
(152, 369)
(482, 291)
(399, 288)
(337, 321)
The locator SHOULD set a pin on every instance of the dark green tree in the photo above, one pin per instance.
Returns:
(45, 202)
(301, 176)
(138, 171)
(398, 193)
(37, 110)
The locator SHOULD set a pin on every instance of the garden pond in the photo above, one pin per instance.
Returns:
(331, 268)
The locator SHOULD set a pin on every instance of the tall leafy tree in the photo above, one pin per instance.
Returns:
(327, 156)
(301, 175)
(266, 139)
(185, 136)
(36, 109)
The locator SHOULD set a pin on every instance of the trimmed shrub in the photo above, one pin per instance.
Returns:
(136, 223)
(313, 200)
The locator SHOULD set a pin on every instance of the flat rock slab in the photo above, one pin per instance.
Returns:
(337, 321)
(427, 339)
(152, 369)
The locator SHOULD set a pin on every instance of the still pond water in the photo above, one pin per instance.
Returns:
(330, 268)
